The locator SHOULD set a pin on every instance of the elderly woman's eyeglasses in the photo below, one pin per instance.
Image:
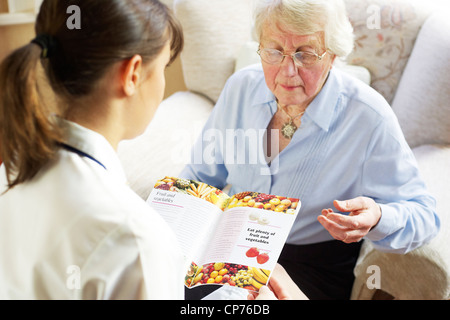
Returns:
(301, 58)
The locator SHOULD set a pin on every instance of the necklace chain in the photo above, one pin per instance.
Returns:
(292, 118)
(289, 128)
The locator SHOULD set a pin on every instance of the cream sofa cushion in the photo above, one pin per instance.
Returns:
(165, 147)
(422, 100)
(215, 31)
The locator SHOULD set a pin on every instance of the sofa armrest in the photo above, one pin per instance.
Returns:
(425, 272)
(165, 146)
(421, 274)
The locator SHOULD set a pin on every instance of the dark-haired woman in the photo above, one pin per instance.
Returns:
(70, 226)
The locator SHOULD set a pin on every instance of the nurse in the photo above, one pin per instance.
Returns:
(71, 228)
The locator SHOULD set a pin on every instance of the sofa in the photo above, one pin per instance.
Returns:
(402, 50)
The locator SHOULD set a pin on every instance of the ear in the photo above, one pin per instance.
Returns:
(333, 59)
(131, 74)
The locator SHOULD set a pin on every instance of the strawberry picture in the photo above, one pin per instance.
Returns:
(252, 252)
(262, 258)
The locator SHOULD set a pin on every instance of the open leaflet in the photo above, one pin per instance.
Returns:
(228, 240)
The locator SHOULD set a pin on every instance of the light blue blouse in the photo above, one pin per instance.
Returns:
(348, 145)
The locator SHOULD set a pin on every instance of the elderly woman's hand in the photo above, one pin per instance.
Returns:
(364, 214)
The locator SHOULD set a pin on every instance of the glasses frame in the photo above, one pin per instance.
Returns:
(292, 55)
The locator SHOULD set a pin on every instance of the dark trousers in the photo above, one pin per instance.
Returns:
(323, 271)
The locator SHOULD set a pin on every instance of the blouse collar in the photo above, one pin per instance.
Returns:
(94, 145)
(321, 110)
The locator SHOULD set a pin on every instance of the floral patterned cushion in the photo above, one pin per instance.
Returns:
(385, 33)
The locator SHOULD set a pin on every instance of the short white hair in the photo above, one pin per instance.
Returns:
(304, 17)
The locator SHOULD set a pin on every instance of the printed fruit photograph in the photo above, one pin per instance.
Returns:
(252, 252)
(191, 274)
(236, 275)
(194, 188)
(168, 183)
(264, 201)
(258, 217)
(259, 278)
(261, 257)
(214, 273)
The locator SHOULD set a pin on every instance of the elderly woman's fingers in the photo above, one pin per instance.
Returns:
(339, 231)
(363, 215)
(325, 212)
(351, 222)
(355, 204)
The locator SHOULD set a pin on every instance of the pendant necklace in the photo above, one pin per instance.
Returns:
(289, 127)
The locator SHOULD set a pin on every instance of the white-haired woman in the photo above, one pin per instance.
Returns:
(335, 139)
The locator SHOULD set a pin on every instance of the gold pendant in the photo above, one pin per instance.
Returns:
(288, 130)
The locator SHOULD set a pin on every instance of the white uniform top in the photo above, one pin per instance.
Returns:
(76, 231)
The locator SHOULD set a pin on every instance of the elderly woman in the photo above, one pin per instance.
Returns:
(329, 137)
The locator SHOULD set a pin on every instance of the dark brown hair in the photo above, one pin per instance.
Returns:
(111, 31)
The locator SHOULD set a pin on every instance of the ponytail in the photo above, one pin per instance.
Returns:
(29, 134)
(73, 61)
